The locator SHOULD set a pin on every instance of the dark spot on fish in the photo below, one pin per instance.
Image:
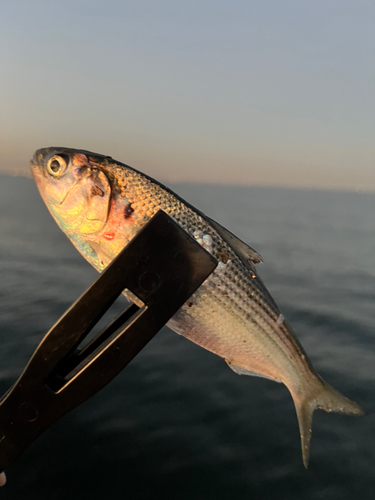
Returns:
(102, 263)
(223, 255)
(188, 303)
(96, 191)
(223, 292)
(128, 211)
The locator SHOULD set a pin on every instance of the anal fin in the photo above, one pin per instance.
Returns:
(243, 371)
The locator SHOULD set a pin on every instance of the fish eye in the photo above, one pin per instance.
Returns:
(57, 165)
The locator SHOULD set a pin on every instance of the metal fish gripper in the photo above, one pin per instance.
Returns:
(162, 266)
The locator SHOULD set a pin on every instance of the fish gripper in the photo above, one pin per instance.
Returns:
(162, 266)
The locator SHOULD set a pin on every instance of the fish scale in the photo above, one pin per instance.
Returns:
(232, 314)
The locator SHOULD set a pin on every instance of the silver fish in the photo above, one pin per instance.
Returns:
(101, 204)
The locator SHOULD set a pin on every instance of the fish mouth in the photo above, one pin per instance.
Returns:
(34, 164)
(41, 157)
(37, 174)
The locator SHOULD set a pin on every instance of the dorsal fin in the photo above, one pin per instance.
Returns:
(244, 251)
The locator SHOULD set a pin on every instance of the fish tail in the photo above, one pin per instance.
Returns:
(327, 399)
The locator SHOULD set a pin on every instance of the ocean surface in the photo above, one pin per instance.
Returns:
(177, 423)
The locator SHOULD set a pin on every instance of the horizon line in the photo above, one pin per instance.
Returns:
(27, 175)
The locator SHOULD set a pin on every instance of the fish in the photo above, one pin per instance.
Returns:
(101, 204)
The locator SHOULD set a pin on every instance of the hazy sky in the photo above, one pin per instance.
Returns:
(271, 92)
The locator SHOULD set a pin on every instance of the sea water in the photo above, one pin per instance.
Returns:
(177, 423)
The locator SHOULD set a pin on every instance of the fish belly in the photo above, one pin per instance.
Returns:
(222, 318)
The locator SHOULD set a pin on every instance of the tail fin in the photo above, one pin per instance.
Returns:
(327, 399)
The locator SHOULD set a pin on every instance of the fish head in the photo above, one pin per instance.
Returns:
(75, 188)
(85, 194)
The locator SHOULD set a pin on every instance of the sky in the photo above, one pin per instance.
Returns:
(271, 92)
